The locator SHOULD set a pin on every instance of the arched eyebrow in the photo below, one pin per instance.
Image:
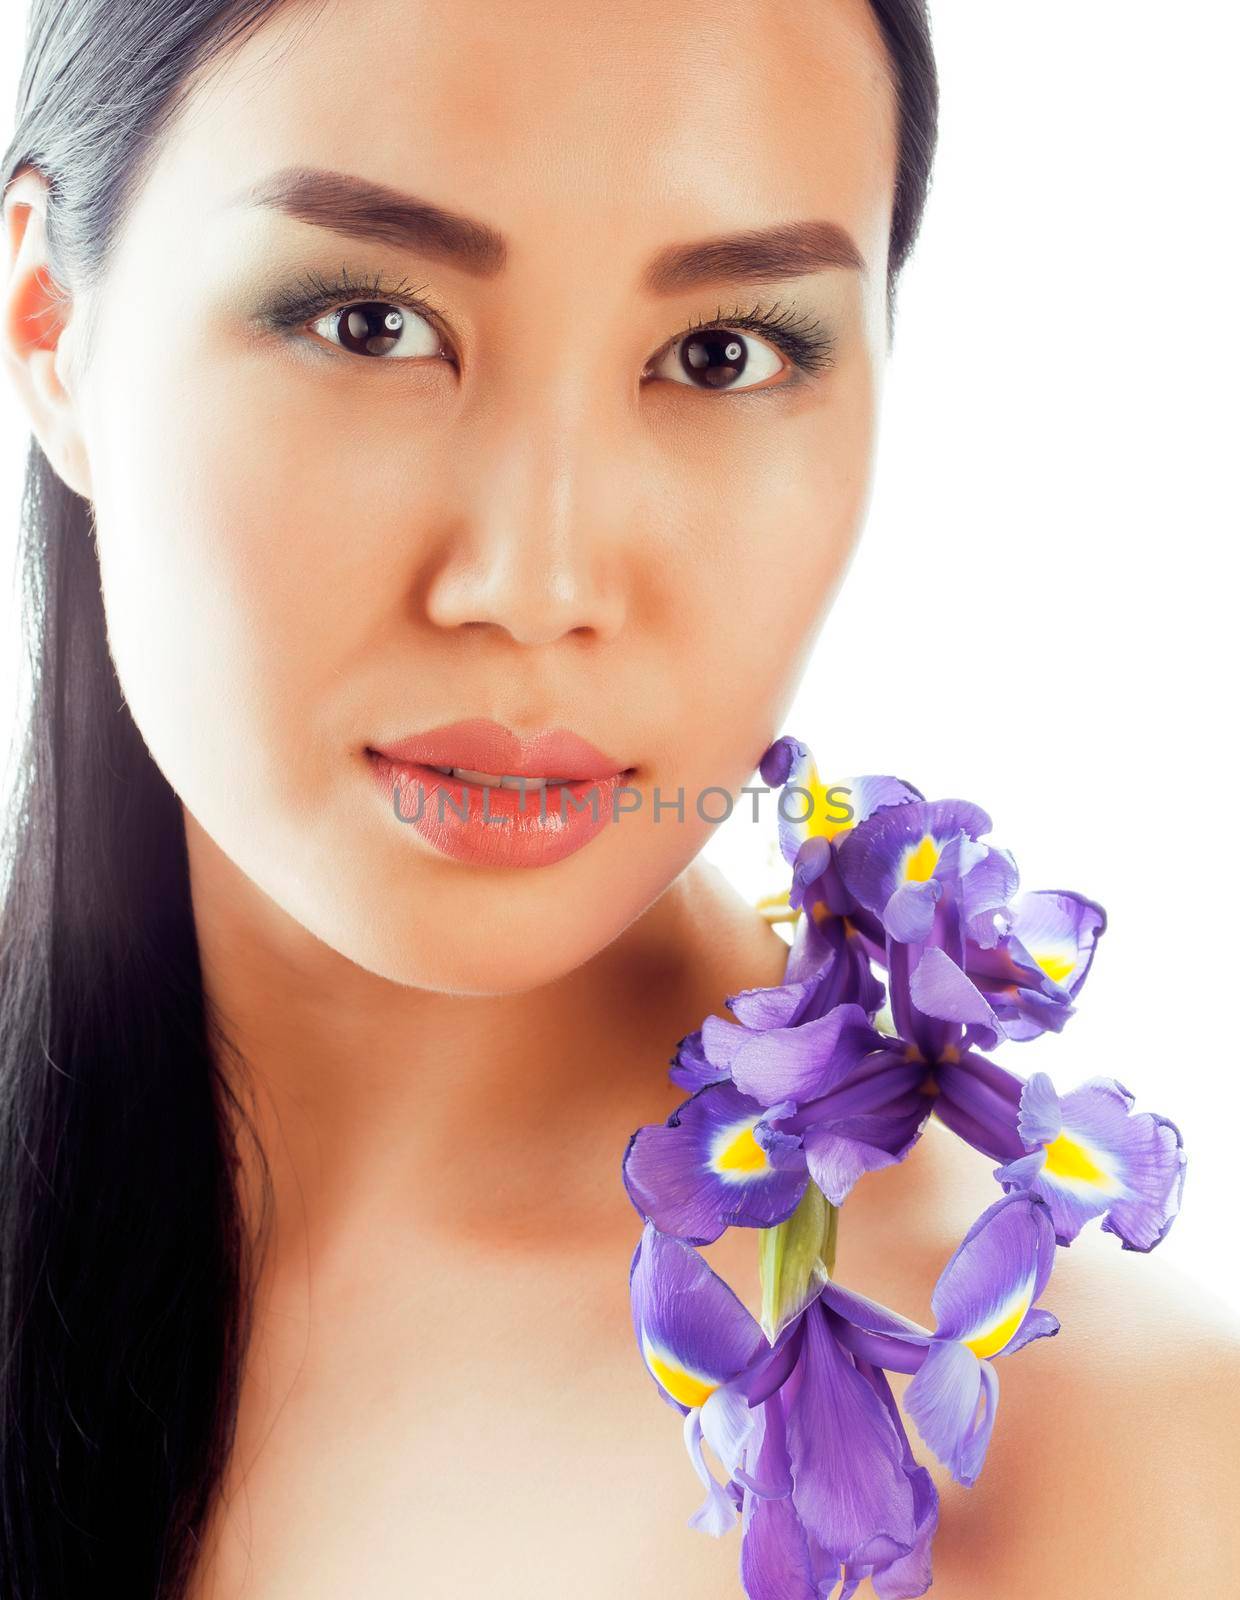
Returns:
(758, 255)
(361, 209)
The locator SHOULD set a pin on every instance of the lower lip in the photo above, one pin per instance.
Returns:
(495, 827)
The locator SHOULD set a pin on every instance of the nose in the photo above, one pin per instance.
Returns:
(539, 551)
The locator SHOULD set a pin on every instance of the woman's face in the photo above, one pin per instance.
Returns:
(513, 484)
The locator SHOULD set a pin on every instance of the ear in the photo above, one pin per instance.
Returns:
(39, 331)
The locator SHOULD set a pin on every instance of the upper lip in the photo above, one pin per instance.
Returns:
(480, 745)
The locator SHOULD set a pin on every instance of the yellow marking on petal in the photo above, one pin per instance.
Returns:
(821, 824)
(912, 1053)
(1065, 1158)
(1056, 967)
(920, 863)
(680, 1383)
(949, 1052)
(742, 1153)
(992, 1338)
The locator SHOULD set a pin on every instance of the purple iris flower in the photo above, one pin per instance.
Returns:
(965, 969)
(818, 1466)
(1032, 974)
(818, 1462)
(695, 1337)
(835, 970)
(826, 810)
(936, 890)
(1089, 1156)
(826, 1098)
(718, 1162)
(804, 1092)
(852, 1502)
(829, 1097)
(836, 938)
(985, 1306)
(942, 896)
(798, 1040)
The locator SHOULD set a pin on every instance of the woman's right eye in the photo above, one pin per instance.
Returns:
(380, 328)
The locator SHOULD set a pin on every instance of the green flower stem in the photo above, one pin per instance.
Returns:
(795, 1258)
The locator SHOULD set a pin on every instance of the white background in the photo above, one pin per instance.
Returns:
(1043, 608)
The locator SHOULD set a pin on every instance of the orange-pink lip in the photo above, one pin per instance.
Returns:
(482, 745)
(497, 827)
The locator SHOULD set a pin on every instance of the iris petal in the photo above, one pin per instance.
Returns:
(849, 1484)
(691, 1068)
(939, 988)
(943, 1403)
(699, 1331)
(909, 915)
(1060, 931)
(774, 1553)
(1037, 1325)
(1095, 1157)
(909, 1575)
(980, 1101)
(728, 1424)
(889, 849)
(999, 1268)
(1032, 973)
(871, 1317)
(825, 809)
(713, 1165)
(838, 1153)
(717, 1513)
(806, 1061)
(775, 1557)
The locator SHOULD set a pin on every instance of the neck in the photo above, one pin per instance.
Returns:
(499, 1121)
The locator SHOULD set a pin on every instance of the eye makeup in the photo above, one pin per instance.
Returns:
(804, 341)
(312, 295)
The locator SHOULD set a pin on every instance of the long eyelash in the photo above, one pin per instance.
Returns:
(803, 339)
(312, 295)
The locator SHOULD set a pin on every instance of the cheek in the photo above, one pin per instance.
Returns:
(787, 527)
(247, 553)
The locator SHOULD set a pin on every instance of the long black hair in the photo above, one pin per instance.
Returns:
(129, 1244)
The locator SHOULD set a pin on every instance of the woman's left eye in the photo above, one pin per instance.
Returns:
(712, 358)
(738, 350)
(380, 328)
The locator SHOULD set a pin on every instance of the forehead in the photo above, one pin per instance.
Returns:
(572, 128)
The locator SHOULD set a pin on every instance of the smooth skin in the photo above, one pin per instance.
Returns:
(535, 516)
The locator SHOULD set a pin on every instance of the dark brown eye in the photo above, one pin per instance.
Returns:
(377, 327)
(717, 358)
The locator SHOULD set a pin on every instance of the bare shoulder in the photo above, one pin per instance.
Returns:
(1114, 1466)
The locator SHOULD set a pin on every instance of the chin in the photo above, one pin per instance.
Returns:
(474, 948)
